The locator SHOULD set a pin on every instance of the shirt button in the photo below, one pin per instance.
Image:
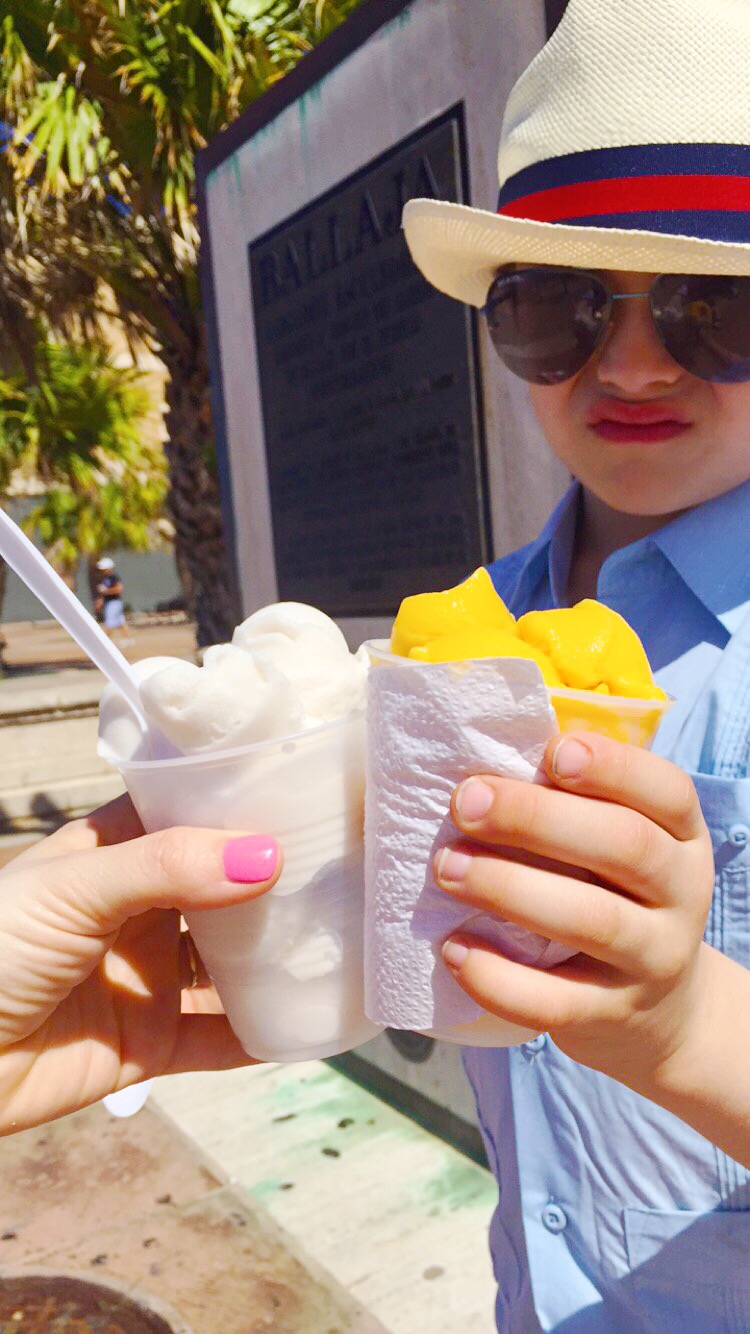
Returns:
(739, 835)
(535, 1045)
(554, 1218)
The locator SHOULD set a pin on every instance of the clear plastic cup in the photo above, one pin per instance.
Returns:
(635, 721)
(288, 966)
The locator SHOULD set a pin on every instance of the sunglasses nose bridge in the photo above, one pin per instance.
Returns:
(629, 296)
(632, 353)
(612, 322)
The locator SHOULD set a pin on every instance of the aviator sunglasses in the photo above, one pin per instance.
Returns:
(546, 323)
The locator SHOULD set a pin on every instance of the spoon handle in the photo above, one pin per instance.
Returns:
(39, 576)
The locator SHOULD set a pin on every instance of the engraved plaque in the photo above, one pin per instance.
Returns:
(370, 392)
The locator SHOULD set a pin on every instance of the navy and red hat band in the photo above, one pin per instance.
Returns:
(700, 190)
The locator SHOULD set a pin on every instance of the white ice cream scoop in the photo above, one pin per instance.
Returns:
(121, 736)
(285, 618)
(310, 650)
(270, 731)
(234, 699)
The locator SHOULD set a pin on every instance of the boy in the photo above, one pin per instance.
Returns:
(624, 158)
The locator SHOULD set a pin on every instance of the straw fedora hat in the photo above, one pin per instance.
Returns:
(625, 145)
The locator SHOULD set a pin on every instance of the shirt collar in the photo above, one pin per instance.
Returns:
(708, 546)
(548, 558)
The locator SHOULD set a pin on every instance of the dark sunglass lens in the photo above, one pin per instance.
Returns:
(546, 323)
(704, 323)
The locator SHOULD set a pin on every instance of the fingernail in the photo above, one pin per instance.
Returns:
(454, 954)
(452, 866)
(251, 860)
(570, 759)
(473, 799)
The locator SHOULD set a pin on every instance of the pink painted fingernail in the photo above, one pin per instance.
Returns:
(251, 860)
(454, 954)
(570, 759)
(473, 799)
(452, 866)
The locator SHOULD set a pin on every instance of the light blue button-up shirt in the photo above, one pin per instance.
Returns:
(613, 1215)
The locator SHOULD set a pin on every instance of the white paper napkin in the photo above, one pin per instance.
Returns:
(430, 726)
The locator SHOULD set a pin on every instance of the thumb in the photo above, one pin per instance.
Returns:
(60, 916)
(59, 904)
(184, 868)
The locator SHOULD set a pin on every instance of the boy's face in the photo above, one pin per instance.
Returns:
(638, 431)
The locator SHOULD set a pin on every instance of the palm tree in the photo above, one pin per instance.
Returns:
(111, 100)
(14, 448)
(78, 426)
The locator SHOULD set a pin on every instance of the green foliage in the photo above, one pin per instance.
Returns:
(111, 100)
(79, 427)
(14, 432)
(118, 95)
(84, 407)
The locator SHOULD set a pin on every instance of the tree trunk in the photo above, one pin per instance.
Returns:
(194, 499)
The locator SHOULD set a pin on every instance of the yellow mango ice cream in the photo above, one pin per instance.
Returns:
(587, 648)
(593, 648)
(484, 642)
(471, 605)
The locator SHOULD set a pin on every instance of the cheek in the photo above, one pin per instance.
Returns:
(554, 409)
(731, 413)
(549, 402)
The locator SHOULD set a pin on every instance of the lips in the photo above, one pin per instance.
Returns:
(637, 423)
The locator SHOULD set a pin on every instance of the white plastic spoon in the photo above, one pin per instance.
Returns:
(39, 576)
(126, 1102)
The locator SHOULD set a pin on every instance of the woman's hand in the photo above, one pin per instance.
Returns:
(626, 1003)
(93, 966)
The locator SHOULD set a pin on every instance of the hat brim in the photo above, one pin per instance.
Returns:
(459, 249)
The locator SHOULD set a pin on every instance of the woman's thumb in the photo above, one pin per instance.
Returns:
(183, 868)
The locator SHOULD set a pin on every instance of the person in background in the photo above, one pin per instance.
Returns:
(109, 606)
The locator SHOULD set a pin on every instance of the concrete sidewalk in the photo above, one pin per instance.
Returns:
(49, 698)
(396, 1217)
(32, 646)
(134, 1206)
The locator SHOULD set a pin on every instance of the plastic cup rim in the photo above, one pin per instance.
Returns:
(208, 757)
(379, 648)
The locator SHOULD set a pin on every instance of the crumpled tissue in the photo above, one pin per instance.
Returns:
(430, 726)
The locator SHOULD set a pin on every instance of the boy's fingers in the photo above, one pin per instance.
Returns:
(584, 916)
(596, 766)
(533, 998)
(615, 844)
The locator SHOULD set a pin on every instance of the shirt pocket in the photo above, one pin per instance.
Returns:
(689, 1271)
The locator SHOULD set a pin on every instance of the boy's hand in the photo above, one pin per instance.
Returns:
(635, 912)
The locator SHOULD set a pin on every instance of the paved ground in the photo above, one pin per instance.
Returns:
(49, 697)
(32, 646)
(396, 1216)
(134, 1204)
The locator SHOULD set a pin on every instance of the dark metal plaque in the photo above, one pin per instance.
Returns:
(370, 392)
